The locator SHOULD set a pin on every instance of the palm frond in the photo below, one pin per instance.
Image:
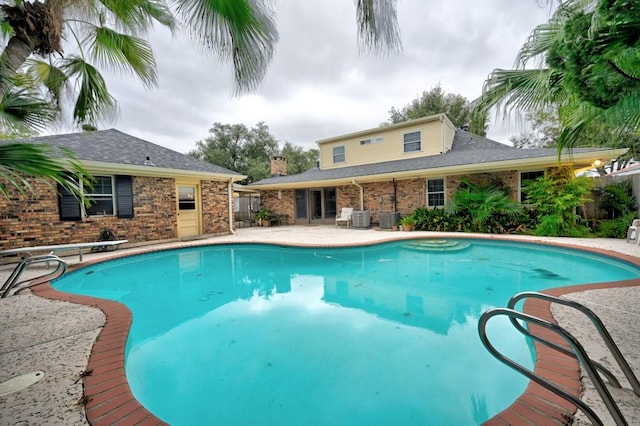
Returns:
(378, 26)
(132, 16)
(574, 127)
(241, 30)
(94, 102)
(21, 111)
(19, 160)
(159, 12)
(52, 77)
(626, 62)
(118, 51)
(526, 90)
(541, 39)
(579, 119)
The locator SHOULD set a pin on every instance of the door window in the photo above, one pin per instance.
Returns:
(187, 198)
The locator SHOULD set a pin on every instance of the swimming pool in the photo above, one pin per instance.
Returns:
(383, 334)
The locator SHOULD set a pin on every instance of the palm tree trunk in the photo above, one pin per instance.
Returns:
(37, 28)
(12, 58)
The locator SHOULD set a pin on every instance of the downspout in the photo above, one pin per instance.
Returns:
(230, 205)
(353, 181)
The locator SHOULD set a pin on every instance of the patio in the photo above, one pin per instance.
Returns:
(57, 337)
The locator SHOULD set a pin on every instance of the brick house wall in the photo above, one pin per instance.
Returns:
(215, 211)
(378, 196)
(348, 196)
(509, 179)
(34, 219)
(280, 201)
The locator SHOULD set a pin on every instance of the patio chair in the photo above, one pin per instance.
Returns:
(632, 232)
(345, 216)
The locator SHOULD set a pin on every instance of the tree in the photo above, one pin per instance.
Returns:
(238, 148)
(543, 132)
(436, 101)
(249, 151)
(106, 35)
(299, 160)
(587, 67)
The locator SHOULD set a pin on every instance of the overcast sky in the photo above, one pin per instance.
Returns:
(318, 84)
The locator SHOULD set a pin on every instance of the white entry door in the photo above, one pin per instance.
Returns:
(188, 211)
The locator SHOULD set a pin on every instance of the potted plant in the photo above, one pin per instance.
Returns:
(264, 217)
(407, 223)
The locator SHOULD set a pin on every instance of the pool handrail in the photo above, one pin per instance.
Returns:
(12, 281)
(581, 355)
(600, 328)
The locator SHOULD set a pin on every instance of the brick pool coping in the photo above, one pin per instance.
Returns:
(109, 400)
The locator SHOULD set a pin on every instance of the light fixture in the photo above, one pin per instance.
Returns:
(597, 163)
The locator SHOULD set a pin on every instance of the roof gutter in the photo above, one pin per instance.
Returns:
(353, 181)
(530, 163)
(153, 171)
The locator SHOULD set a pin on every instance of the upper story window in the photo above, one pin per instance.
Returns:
(338, 154)
(370, 141)
(525, 179)
(412, 142)
(435, 193)
(101, 197)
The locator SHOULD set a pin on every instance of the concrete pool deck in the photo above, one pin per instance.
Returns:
(58, 337)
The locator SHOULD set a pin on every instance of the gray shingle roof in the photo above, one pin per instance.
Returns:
(467, 148)
(116, 147)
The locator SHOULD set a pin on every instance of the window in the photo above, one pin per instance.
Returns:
(186, 198)
(338, 154)
(101, 197)
(525, 179)
(412, 142)
(370, 141)
(435, 192)
(110, 195)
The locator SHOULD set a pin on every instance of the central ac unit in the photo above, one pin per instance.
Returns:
(389, 219)
(361, 219)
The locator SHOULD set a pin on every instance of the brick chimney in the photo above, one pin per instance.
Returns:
(278, 166)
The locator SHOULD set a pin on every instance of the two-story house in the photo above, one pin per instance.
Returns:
(397, 168)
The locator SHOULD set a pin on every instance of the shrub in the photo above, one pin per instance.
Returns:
(556, 198)
(618, 199)
(485, 207)
(264, 214)
(616, 228)
(438, 220)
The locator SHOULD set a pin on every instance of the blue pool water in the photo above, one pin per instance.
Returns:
(377, 335)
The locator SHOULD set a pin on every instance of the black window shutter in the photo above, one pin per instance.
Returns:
(124, 196)
(68, 205)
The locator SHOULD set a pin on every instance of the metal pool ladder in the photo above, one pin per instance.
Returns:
(591, 367)
(12, 281)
